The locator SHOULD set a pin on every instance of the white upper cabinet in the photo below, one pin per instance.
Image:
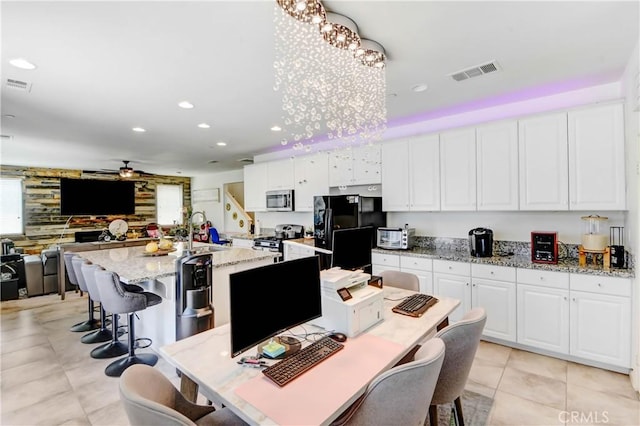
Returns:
(497, 162)
(356, 166)
(255, 187)
(411, 174)
(424, 173)
(395, 176)
(543, 168)
(280, 174)
(596, 158)
(458, 170)
(311, 178)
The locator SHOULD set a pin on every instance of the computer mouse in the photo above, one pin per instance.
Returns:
(338, 337)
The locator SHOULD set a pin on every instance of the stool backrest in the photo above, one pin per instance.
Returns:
(69, 267)
(114, 298)
(77, 268)
(88, 273)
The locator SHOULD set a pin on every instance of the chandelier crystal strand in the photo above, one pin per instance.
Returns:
(329, 82)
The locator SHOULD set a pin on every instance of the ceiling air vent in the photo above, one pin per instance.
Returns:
(18, 85)
(245, 160)
(475, 71)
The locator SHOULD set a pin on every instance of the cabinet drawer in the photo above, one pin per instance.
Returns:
(449, 267)
(602, 285)
(493, 272)
(419, 263)
(385, 259)
(543, 278)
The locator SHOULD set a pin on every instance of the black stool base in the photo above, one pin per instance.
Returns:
(116, 368)
(100, 336)
(110, 350)
(85, 326)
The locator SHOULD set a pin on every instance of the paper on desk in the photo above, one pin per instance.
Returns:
(321, 391)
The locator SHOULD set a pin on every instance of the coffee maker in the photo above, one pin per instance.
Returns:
(481, 242)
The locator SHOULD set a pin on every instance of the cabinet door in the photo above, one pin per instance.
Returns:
(280, 174)
(341, 168)
(601, 328)
(497, 155)
(543, 317)
(425, 278)
(456, 287)
(498, 298)
(311, 178)
(395, 176)
(596, 158)
(366, 165)
(424, 173)
(255, 187)
(458, 170)
(543, 167)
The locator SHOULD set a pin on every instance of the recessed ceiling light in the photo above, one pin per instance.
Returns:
(420, 88)
(185, 105)
(204, 125)
(221, 144)
(276, 128)
(22, 64)
(6, 137)
(9, 116)
(139, 129)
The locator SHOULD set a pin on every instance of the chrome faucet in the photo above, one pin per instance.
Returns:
(190, 225)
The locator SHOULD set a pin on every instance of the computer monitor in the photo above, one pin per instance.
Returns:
(352, 248)
(268, 300)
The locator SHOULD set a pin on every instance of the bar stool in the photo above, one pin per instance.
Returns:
(91, 323)
(119, 301)
(102, 334)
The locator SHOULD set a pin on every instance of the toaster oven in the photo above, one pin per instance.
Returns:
(396, 238)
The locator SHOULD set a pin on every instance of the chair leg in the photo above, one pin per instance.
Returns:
(116, 368)
(433, 415)
(115, 347)
(457, 407)
(101, 335)
(88, 325)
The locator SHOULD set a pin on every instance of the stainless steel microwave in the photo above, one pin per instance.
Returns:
(280, 201)
(396, 238)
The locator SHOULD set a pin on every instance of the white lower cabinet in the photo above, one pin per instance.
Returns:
(420, 267)
(600, 319)
(494, 289)
(452, 279)
(384, 262)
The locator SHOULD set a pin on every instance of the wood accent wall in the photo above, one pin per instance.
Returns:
(43, 225)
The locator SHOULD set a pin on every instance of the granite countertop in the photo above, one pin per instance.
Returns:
(134, 265)
(516, 261)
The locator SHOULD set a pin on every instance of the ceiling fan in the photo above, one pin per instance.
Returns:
(124, 172)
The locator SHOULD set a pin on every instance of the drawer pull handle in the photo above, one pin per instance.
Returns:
(450, 267)
(599, 285)
(541, 278)
(491, 272)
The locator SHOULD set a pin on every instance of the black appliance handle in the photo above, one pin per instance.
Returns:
(328, 226)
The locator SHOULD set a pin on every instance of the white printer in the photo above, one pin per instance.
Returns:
(349, 304)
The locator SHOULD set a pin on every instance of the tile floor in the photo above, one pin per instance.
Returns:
(48, 378)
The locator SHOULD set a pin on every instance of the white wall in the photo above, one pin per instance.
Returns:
(506, 226)
(631, 90)
(214, 209)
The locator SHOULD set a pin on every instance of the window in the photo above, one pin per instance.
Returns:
(169, 204)
(11, 207)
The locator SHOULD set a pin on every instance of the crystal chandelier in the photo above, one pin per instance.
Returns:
(331, 80)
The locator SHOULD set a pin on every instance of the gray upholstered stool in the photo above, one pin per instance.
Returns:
(102, 334)
(91, 323)
(118, 301)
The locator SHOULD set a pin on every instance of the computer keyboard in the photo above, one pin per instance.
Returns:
(291, 367)
(415, 305)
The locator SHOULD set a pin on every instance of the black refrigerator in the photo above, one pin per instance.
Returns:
(344, 211)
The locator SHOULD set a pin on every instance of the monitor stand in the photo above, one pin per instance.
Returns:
(291, 346)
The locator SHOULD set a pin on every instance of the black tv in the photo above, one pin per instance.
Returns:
(268, 300)
(351, 248)
(94, 197)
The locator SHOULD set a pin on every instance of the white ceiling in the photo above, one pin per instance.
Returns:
(105, 67)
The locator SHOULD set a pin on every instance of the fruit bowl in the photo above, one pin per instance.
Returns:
(158, 252)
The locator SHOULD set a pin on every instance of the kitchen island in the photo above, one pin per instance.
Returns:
(157, 274)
